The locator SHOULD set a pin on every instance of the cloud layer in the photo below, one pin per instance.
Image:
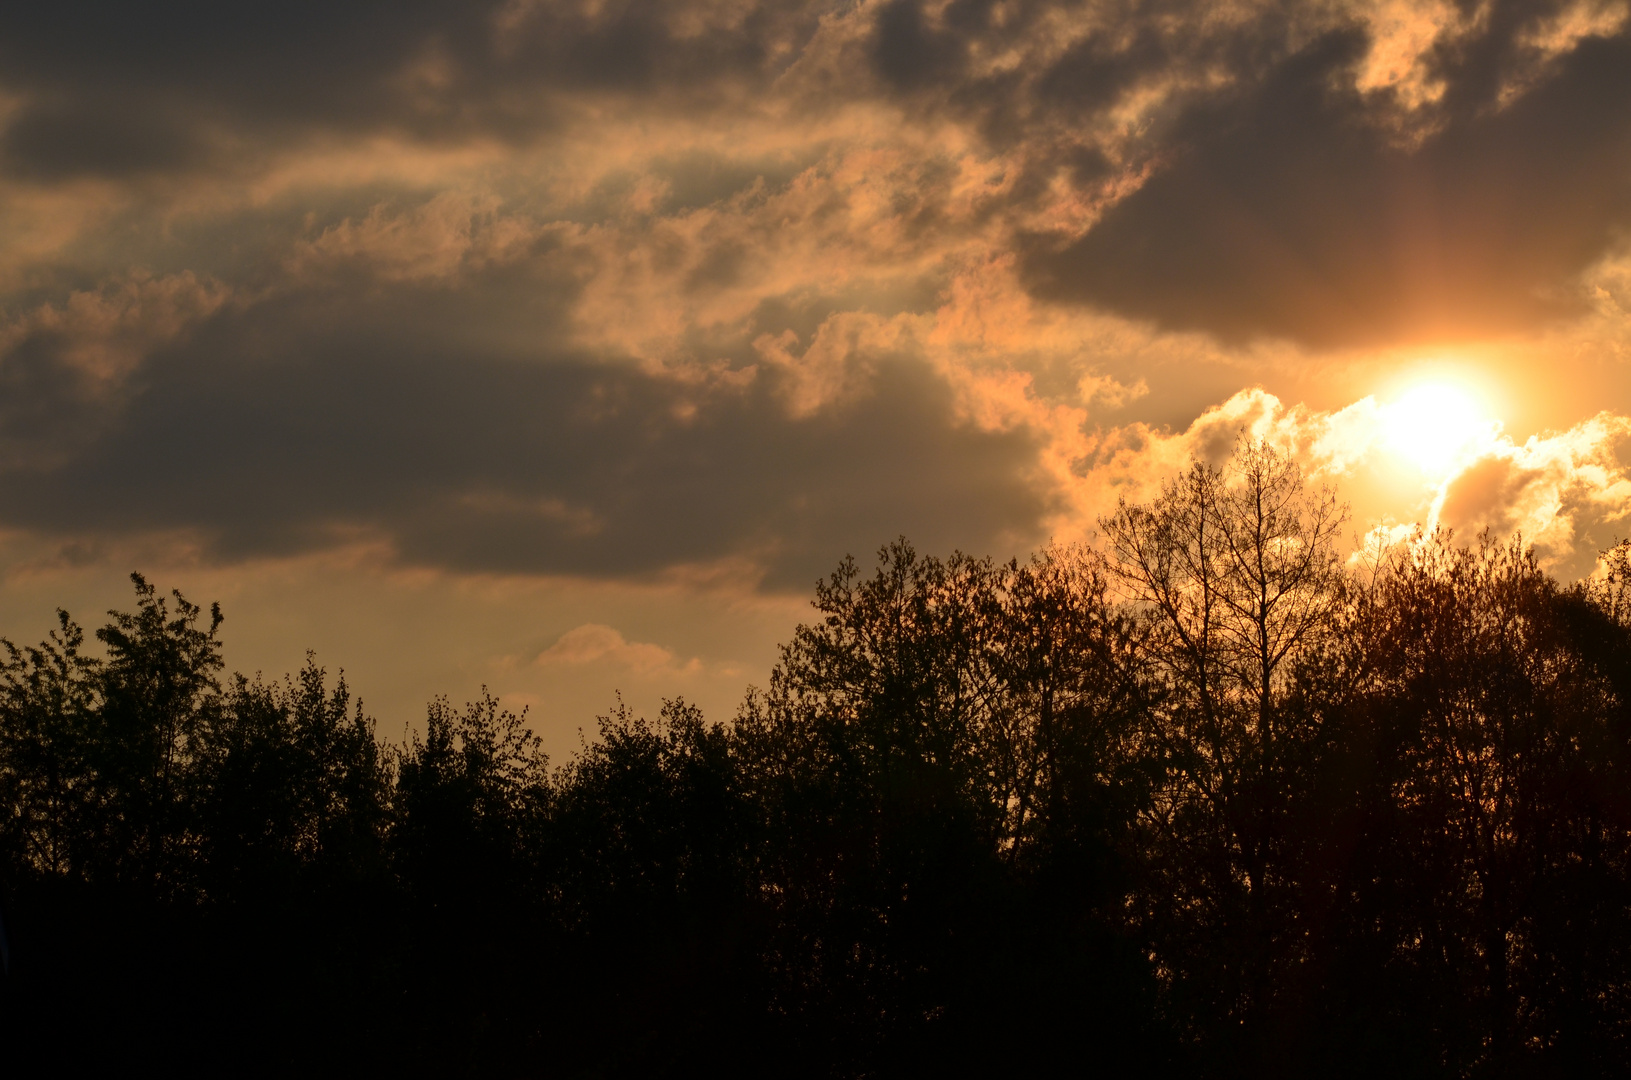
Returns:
(620, 291)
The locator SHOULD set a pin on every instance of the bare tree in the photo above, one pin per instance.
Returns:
(1237, 570)
(1235, 574)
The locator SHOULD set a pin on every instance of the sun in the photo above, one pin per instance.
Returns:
(1435, 425)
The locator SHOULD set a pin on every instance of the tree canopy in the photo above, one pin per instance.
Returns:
(1208, 798)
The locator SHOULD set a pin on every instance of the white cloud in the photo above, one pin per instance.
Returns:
(1567, 492)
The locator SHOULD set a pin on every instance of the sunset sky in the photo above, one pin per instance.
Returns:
(560, 346)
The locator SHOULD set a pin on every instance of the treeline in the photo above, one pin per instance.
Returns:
(1208, 799)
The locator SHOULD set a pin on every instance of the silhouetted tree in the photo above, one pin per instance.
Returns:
(903, 752)
(651, 854)
(471, 798)
(1234, 575)
(1498, 795)
(49, 703)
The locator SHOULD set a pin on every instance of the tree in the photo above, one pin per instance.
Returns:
(158, 689)
(939, 763)
(48, 705)
(1234, 575)
(468, 810)
(1497, 829)
(651, 853)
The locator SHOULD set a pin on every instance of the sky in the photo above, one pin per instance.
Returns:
(560, 347)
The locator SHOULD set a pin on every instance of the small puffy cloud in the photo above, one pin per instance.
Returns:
(595, 642)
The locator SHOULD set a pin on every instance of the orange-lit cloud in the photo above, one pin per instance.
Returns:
(596, 642)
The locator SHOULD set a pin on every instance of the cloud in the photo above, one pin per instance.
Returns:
(1568, 493)
(593, 642)
(436, 68)
(449, 234)
(315, 418)
(65, 368)
(1288, 209)
(103, 335)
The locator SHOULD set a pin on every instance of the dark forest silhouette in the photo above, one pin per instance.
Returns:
(1209, 800)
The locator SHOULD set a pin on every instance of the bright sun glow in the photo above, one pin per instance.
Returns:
(1435, 425)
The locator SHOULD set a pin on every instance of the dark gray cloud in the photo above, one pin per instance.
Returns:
(243, 60)
(1282, 200)
(277, 430)
(111, 88)
(58, 142)
(1291, 211)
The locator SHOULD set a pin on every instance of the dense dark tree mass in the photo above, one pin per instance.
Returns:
(1208, 800)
